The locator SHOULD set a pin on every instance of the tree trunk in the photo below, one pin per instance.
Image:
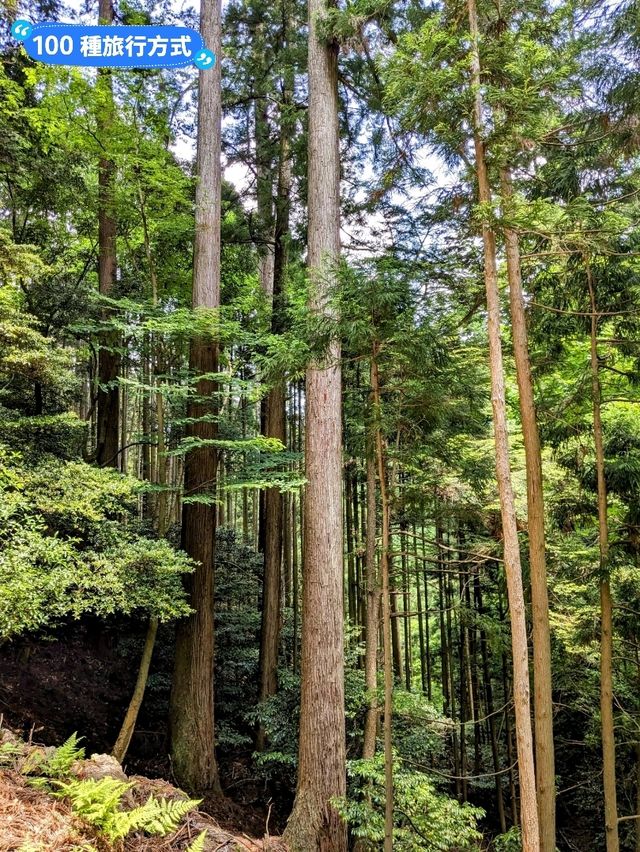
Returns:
(192, 704)
(606, 605)
(314, 823)
(128, 726)
(108, 404)
(512, 565)
(542, 694)
(372, 615)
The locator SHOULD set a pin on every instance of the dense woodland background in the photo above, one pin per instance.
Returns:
(363, 419)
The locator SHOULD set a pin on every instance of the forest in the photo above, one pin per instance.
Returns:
(319, 431)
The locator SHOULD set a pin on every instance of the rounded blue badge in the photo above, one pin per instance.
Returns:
(21, 30)
(205, 59)
(114, 46)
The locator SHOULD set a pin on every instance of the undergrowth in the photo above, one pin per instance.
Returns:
(100, 803)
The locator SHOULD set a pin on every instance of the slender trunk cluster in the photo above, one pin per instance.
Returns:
(511, 547)
(542, 696)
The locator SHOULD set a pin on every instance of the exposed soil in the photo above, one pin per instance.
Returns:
(82, 680)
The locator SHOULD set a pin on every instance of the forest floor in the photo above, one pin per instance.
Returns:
(33, 819)
(50, 690)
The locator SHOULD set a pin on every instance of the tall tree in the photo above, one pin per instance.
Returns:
(606, 603)
(192, 701)
(314, 823)
(542, 698)
(512, 563)
(108, 401)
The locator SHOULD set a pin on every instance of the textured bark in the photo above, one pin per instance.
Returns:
(511, 546)
(314, 822)
(542, 694)
(192, 705)
(372, 615)
(606, 604)
(108, 404)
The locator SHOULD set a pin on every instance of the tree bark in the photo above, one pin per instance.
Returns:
(192, 703)
(314, 822)
(606, 604)
(542, 693)
(511, 546)
(108, 404)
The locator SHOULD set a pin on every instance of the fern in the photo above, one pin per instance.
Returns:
(57, 766)
(198, 843)
(162, 816)
(98, 803)
(9, 752)
(63, 758)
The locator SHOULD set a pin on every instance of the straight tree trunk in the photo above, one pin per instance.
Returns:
(542, 692)
(108, 405)
(372, 615)
(192, 704)
(606, 604)
(314, 823)
(513, 570)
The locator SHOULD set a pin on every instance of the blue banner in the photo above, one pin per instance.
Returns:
(114, 46)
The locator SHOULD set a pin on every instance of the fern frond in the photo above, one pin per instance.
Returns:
(198, 843)
(63, 758)
(162, 816)
(98, 802)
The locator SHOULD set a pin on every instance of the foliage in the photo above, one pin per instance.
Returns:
(64, 551)
(99, 802)
(424, 819)
(509, 842)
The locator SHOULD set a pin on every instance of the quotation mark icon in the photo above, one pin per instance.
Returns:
(21, 30)
(205, 59)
